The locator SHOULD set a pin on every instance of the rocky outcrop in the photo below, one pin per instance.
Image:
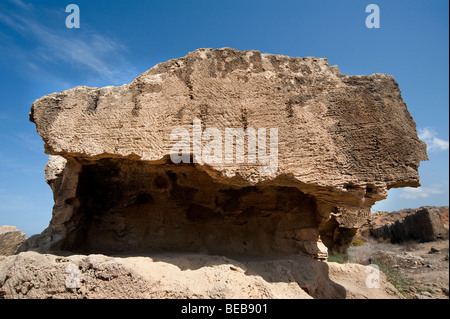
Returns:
(10, 240)
(186, 276)
(335, 144)
(421, 224)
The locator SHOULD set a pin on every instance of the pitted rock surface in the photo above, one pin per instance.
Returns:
(343, 141)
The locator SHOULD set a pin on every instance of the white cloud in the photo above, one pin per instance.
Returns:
(434, 144)
(101, 56)
(11, 23)
(21, 4)
(422, 192)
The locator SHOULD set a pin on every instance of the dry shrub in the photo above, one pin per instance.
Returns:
(362, 254)
(357, 242)
(384, 240)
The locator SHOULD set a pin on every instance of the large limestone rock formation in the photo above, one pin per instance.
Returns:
(343, 141)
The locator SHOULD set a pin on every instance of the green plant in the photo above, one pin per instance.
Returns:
(338, 258)
(431, 291)
(357, 242)
(384, 240)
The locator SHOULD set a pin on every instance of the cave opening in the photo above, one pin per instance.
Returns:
(128, 206)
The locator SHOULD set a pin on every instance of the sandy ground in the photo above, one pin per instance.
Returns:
(34, 275)
(431, 279)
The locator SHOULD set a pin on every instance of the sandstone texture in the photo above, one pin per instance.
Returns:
(343, 141)
(44, 276)
(420, 224)
(10, 240)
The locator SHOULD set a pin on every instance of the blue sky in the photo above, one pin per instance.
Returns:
(118, 40)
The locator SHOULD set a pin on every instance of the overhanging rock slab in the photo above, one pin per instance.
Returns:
(342, 141)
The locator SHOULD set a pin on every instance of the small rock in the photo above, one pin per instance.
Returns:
(429, 266)
(434, 251)
(24, 290)
(445, 291)
(423, 295)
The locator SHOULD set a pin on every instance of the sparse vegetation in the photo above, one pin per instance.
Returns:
(400, 282)
(338, 258)
(384, 240)
(357, 242)
(362, 254)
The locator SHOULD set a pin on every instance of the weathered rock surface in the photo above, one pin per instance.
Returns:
(343, 141)
(10, 240)
(420, 224)
(34, 275)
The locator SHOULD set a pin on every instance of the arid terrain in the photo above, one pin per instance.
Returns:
(31, 275)
(143, 210)
(410, 270)
(418, 270)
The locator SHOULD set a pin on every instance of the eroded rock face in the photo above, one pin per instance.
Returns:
(342, 141)
(10, 240)
(420, 224)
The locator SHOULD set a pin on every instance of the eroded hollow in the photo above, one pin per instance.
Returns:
(127, 206)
